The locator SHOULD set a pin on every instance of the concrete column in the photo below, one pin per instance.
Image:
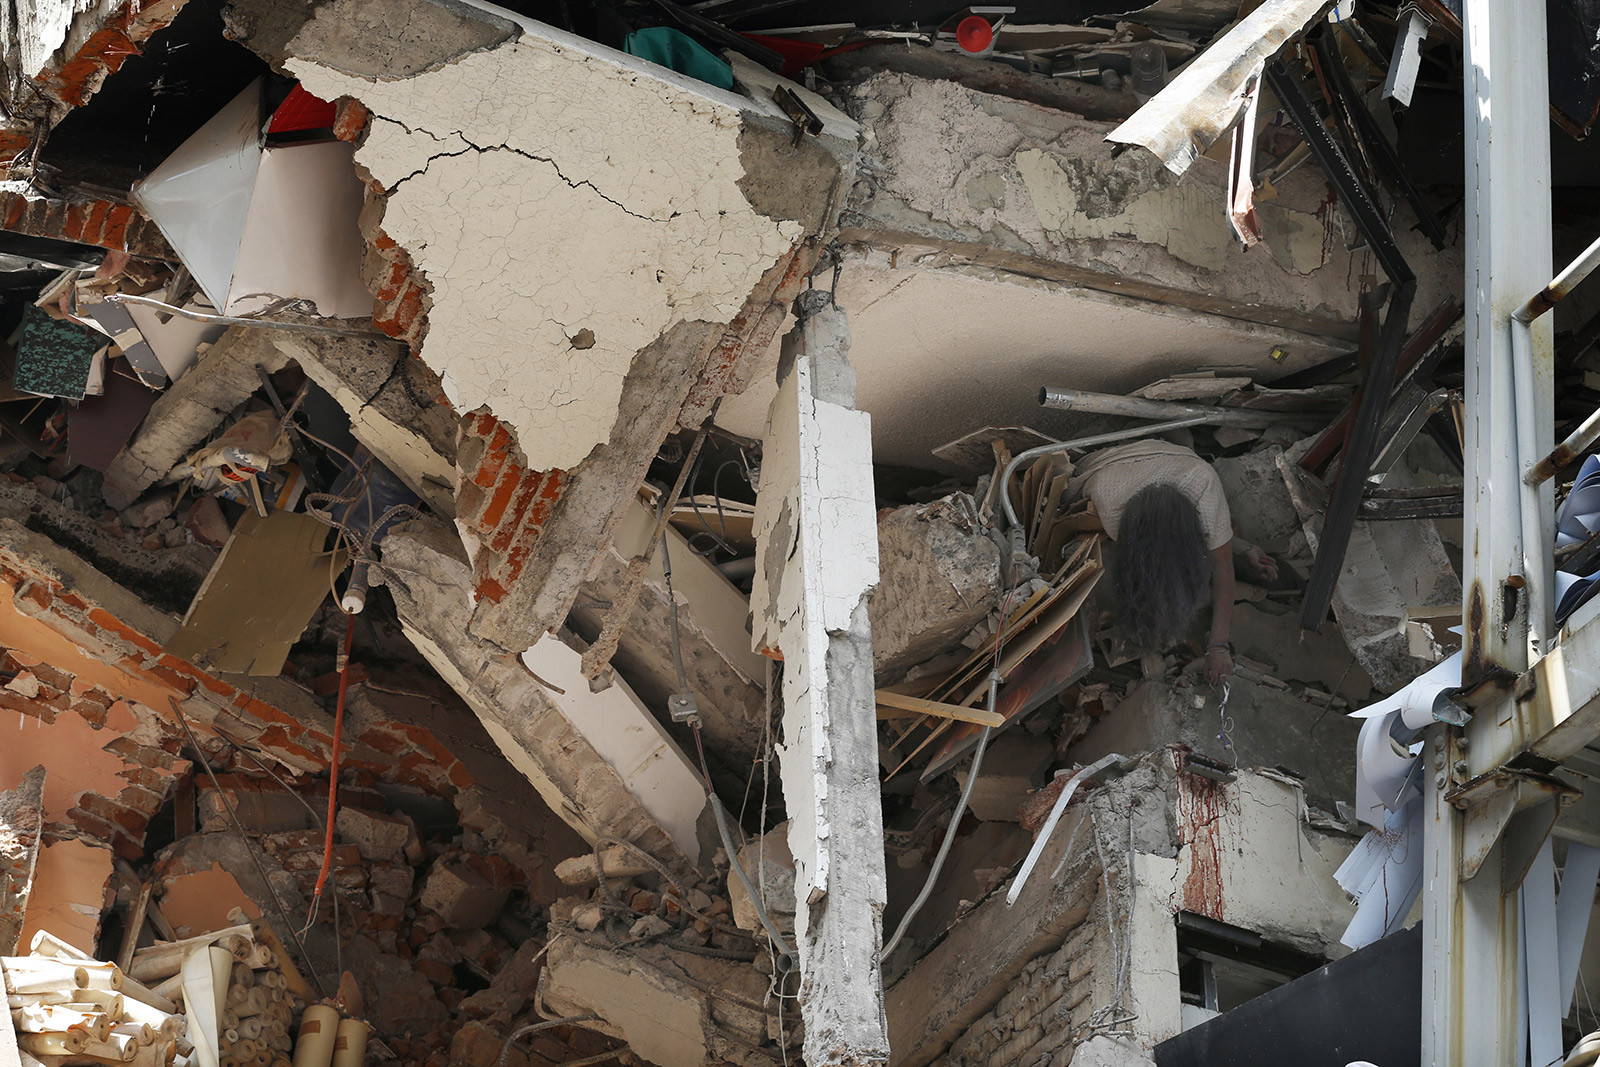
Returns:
(817, 543)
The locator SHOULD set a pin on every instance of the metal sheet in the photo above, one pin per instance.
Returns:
(200, 195)
(1208, 95)
(301, 240)
(1573, 908)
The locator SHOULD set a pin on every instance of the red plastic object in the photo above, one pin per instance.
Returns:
(797, 55)
(301, 111)
(974, 34)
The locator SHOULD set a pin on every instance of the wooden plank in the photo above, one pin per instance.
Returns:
(899, 705)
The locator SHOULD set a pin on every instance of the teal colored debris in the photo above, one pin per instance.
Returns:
(680, 52)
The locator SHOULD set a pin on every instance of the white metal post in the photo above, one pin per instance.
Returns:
(1472, 927)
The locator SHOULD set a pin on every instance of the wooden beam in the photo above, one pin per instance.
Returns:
(899, 706)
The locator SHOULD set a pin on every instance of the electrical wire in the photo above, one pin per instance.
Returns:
(995, 679)
(261, 871)
(338, 947)
(333, 767)
(570, 1020)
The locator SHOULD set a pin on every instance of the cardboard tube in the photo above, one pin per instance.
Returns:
(142, 1033)
(134, 990)
(61, 1044)
(171, 988)
(41, 974)
(350, 1044)
(44, 943)
(319, 1025)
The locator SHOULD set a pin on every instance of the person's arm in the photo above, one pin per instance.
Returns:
(1262, 566)
(1219, 659)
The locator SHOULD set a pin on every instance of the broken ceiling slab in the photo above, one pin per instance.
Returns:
(1209, 94)
(395, 407)
(431, 582)
(655, 999)
(624, 734)
(267, 583)
(999, 338)
(184, 416)
(595, 217)
(725, 677)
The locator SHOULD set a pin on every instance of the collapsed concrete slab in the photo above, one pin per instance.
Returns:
(978, 179)
(431, 582)
(632, 328)
(939, 577)
(673, 1009)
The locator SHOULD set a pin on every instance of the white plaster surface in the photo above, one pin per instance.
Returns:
(809, 487)
(544, 189)
(1276, 876)
(39, 27)
(1153, 992)
(939, 353)
(629, 738)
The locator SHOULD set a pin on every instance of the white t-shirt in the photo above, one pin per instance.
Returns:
(1111, 477)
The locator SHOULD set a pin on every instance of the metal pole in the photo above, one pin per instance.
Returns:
(1138, 408)
(1471, 928)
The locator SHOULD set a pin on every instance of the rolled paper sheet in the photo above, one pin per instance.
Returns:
(319, 1026)
(350, 1045)
(44, 943)
(136, 990)
(56, 1018)
(205, 986)
(58, 1044)
(171, 988)
(142, 1033)
(35, 974)
(137, 1011)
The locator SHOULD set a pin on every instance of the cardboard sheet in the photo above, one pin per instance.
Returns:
(99, 427)
(269, 580)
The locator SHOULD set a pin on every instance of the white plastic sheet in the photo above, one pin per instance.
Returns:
(1384, 780)
(1383, 873)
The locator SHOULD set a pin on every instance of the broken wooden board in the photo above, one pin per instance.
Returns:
(975, 453)
(261, 593)
(893, 705)
(21, 823)
(99, 426)
(1049, 669)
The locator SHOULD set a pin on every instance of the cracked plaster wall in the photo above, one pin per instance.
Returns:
(949, 164)
(546, 189)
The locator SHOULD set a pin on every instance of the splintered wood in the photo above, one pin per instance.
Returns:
(67, 1008)
(1040, 646)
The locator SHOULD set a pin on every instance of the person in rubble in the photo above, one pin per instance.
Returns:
(1164, 508)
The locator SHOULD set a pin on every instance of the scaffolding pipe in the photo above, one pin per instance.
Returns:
(1139, 408)
(1521, 319)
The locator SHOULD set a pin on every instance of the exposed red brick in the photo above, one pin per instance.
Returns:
(350, 119)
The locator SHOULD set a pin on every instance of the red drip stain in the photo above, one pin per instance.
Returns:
(1201, 805)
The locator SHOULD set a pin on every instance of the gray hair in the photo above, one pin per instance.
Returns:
(1161, 576)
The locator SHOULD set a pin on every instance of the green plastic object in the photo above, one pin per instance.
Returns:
(680, 52)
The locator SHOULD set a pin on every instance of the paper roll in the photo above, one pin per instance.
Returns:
(350, 1044)
(319, 1026)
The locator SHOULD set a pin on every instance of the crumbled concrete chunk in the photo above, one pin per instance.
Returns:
(148, 511)
(937, 580)
(462, 897)
(379, 836)
(615, 862)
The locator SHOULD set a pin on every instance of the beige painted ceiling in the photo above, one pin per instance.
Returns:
(939, 353)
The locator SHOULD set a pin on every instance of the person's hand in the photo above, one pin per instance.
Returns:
(1217, 665)
(1262, 565)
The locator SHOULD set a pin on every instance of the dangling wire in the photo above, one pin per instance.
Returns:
(333, 767)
